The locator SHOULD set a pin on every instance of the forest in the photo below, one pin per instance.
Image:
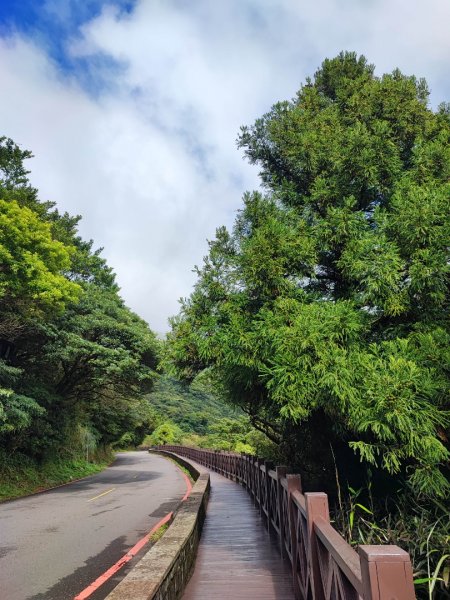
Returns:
(75, 362)
(317, 333)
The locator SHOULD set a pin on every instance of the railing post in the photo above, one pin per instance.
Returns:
(281, 472)
(247, 473)
(251, 462)
(258, 491)
(316, 507)
(267, 466)
(386, 573)
(294, 485)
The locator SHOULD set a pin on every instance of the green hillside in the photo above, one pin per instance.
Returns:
(193, 409)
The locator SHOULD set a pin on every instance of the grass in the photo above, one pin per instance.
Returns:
(21, 476)
(157, 535)
(419, 526)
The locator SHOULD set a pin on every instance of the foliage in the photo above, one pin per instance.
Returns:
(75, 362)
(235, 435)
(166, 433)
(194, 408)
(324, 311)
(16, 410)
(21, 475)
(419, 527)
(32, 263)
(194, 415)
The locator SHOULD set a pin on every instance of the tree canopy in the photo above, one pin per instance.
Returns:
(75, 362)
(32, 262)
(324, 312)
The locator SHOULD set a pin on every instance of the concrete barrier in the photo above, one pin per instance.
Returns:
(163, 572)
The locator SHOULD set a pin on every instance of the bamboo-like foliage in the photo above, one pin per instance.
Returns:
(330, 295)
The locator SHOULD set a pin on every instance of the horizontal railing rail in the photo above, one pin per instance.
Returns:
(324, 565)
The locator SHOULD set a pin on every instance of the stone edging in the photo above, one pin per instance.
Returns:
(163, 572)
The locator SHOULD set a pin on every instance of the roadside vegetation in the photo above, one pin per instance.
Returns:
(21, 475)
(75, 362)
(155, 537)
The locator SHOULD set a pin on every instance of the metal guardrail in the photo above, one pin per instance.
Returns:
(324, 565)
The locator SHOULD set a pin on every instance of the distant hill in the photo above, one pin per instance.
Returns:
(192, 409)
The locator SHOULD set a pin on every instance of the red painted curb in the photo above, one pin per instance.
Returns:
(122, 561)
(93, 587)
(188, 486)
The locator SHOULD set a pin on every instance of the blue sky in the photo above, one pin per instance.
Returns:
(51, 23)
(53, 20)
(132, 109)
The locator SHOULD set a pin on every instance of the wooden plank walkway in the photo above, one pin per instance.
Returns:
(237, 558)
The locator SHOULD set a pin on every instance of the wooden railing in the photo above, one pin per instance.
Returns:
(324, 566)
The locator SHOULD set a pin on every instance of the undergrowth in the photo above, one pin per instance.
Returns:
(419, 526)
(20, 475)
(157, 535)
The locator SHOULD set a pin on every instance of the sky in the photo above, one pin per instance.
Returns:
(132, 109)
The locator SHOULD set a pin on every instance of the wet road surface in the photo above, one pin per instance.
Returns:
(54, 544)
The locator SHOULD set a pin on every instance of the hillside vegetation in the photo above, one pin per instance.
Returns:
(193, 415)
(191, 407)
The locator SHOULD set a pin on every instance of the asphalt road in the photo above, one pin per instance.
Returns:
(54, 544)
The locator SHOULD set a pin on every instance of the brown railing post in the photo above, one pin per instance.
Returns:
(259, 462)
(253, 478)
(386, 573)
(316, 507)
(267, 466)
(248, 462)
(281, 472)
(294, 485)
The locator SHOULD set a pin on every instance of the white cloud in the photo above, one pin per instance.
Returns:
(150, 160)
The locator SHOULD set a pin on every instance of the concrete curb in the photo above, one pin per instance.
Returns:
(163, 572)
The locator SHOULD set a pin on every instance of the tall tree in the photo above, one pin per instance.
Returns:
(72, 356)
(325, 310)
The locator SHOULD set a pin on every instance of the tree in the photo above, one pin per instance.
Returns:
(323, 314)
(32, 263)
(16, 411)
(166, 433)
(73, 357)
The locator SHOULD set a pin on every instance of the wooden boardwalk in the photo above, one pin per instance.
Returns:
(237, 559)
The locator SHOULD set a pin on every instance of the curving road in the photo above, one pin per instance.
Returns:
(54, 544)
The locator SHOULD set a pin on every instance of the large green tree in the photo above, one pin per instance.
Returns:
(73, 357)
(324, 312)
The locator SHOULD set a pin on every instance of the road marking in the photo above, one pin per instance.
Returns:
(119, 564)
(134, 550)
(100, 495)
